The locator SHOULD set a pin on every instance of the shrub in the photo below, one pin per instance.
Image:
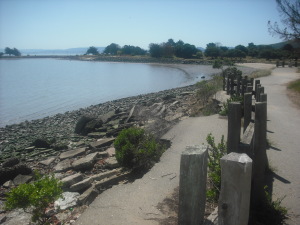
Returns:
(135, 148)
(35, 196)
(216, 152)
(234, 98)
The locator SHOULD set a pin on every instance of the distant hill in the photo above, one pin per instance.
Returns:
(279, 45)
(69, 51)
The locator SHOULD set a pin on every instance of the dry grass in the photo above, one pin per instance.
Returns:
(260, 73)
(293, 92)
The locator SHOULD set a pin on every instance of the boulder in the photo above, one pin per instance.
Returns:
(111, 151)
(9, 173)
(85, 163)
(68, 200)
(72, 153)
(41, 143)
(111, 163)
(80, 125)
(107, 116)
(11, 162)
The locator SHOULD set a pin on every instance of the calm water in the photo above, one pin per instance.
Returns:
(35, 88)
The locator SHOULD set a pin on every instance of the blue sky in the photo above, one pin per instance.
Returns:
(62, 24)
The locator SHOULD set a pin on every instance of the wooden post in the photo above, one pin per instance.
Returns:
(249, 89)
(227, 85)
(231, 86)
(257, 82)
(224, 80)
(192, 185)
(238, 86)
(247, 109)
(234, 202)
(257, 92)
(263, 97)
(261, 90)
(234, 126)
(260, 155)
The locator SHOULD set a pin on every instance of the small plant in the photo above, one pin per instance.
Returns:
(234, 98)
(135, 148)
(35, 197)
(216, 152)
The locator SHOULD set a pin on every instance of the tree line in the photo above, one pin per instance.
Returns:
(11, 51)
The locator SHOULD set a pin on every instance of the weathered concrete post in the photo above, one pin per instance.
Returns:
(257, 92)
(234, 202)
(263, 97)
(249, 89)
(238, 86)
(260, 91)
(192, 185)
(227, 85)
(257, 82)
(260, 155)
(234, 126)
(247, 109)
(231, 85)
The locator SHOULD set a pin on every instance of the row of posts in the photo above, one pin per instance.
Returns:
(243, 168)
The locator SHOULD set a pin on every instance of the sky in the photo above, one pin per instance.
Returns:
(63, 24)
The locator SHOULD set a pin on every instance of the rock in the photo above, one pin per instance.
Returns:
(63, 166)
(81, 186)
(22, 179)
(41, 143)
(101, 143)
(48, 161)
(11, 162)
(92, 125)
(88, 196)
(130, 114)
(10, 173)
(72, 153)
(63, 216)
(8, 184)
(80, 125)
(111, 162)
(106, 183)
(68, 200)
(107, 116)
(111, 151)
(2, 219)
(17, 217)
(70, 180)
(106, 174)
(96, 134)
(85, 163)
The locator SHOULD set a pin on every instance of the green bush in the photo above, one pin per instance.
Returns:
(35, 196)
(135, 148)
(216, 152)
(234, 98)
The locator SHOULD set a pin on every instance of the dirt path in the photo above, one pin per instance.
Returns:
(136, 203)
(284, 135)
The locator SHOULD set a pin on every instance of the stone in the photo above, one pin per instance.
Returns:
(8, 184)
(11, 162)
(22, 179)
(107, 116)
(63, 166)
(80, 125)
(87, 197)
(85, 163)
(234, 201)
(102, 143)
(41, 143)
(96, 134)
(111, 151)
(48, 161)
(106, 174)
(130, 114)
(72, 153)
(72, 179)
(111, 162)
(107, 182)
(81, 186)
(68, 200)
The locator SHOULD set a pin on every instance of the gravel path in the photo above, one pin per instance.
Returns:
(284, 133)
(136, 203)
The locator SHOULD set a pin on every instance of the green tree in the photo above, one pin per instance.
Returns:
(35, 197)
(290, 17)
(14, 51)
(212, 50)
(112, 49)
(155, 50)
(242, 48)
(92, 50)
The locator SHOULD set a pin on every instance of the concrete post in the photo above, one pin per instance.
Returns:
(192, 185)
(263, 97)
(224, 80)
(247, 109)
(234, 202)
(257, 82)
(234, 126)
(249, 89)
(259, 151)
(227, 85)
(244, 83)
(257, 92)
(231, 86)
(238, 86)
(261, 90)
(252, 81)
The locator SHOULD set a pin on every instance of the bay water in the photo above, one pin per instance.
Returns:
(36, 88)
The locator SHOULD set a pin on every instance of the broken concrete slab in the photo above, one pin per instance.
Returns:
(111, 162)
(68, 200)
(81, 186)
(102, 143)
(106, 174)
(63, 166)
(48, 161)
(22, 179)
(88, 196)
(111, 151)
(72, 179)
(72, 153)
(85, 163)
